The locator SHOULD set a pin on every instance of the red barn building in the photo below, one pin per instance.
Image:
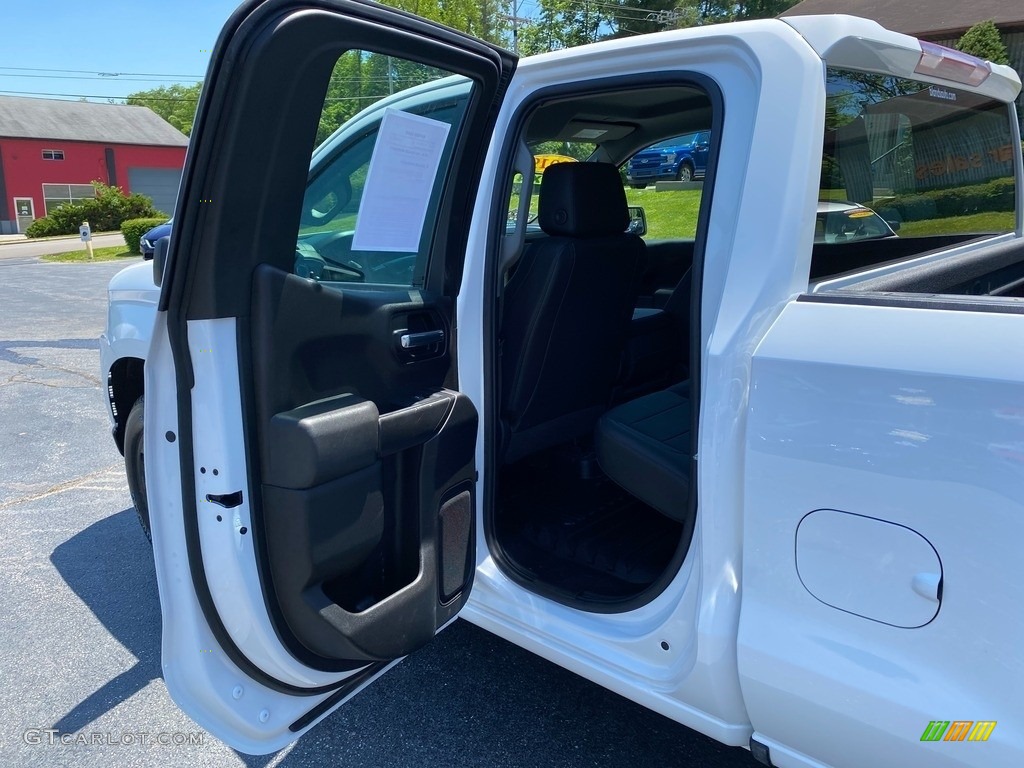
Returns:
(51, 151)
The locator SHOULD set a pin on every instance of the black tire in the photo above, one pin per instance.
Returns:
(135, 464)
(638, 186)
(685, 172)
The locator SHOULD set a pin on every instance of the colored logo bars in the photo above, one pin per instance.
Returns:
(958, 730)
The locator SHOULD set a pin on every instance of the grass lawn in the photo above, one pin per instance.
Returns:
(670, 214)
(114, 253)
(981, 223)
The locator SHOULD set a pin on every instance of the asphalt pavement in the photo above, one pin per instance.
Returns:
(80, 618)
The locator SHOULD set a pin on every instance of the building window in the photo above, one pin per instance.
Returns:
(53, 154)
(56, 195)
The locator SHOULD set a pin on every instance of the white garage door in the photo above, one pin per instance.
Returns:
(161, 184)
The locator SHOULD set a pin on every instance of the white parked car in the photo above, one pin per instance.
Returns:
(756, 483)
(839, 222)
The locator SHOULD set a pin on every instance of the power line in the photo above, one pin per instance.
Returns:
(94, 96)
(164, 98)
(93, 72)
(108, 78)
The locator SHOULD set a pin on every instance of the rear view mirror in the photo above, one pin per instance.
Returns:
(637, 221)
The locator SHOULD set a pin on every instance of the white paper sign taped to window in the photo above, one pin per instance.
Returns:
(399, 183)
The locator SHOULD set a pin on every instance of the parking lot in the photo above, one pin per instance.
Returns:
(80, 618)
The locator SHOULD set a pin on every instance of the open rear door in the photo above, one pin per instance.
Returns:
(310, 461)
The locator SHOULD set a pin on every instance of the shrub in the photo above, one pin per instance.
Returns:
(134, 229)
(994, 195)
(104, 213)
(43, 227)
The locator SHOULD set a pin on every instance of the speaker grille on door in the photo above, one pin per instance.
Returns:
(455, 524)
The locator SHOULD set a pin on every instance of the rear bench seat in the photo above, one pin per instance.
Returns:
(644, 446)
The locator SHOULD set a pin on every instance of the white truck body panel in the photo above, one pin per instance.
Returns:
(913, 417)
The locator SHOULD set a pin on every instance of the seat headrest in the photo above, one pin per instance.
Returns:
(583, 200)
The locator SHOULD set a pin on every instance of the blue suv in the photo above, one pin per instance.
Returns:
(681, 158)
(148, 242)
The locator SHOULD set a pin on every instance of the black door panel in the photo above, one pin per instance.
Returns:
(300, 353)
(367, 468)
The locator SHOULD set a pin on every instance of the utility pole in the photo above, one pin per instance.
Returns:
(516, 20)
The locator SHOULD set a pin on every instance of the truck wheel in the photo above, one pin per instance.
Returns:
(135, 465)
(685, 173)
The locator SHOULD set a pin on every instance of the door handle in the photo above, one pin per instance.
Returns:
(418, 340)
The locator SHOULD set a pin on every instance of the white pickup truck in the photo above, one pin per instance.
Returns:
(760, 470)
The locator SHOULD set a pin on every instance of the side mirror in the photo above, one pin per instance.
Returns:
(894, 225)
(160, 258)
(325, 198)
(637, 221)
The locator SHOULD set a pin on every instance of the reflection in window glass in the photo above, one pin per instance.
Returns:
(930, 161)
(363, 86)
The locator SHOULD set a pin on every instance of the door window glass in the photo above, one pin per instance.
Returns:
(383, 144)
(666, 179)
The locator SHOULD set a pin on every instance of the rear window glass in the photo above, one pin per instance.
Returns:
(675, 141)
(907, 168)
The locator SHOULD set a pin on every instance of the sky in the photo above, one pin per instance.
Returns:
(145, 43)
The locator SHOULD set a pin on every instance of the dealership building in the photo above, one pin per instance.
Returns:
(938, 21)
(51, 151)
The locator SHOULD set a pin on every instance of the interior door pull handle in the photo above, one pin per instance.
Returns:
(424, 339)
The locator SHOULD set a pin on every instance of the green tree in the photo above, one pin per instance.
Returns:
(174, 103)
(761, 9)
(486, 19)
(637, 17)
(565, 24)
(361, 77)
(984, 41)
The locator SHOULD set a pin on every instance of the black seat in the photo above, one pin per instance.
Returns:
(658, 349)
(567, 310)
(644, 446)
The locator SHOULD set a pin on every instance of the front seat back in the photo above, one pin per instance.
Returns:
(567, 310)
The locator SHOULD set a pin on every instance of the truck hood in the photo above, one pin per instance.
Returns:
(136, 283)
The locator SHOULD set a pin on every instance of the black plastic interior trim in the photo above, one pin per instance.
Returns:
(490, 320)
(243, 332)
